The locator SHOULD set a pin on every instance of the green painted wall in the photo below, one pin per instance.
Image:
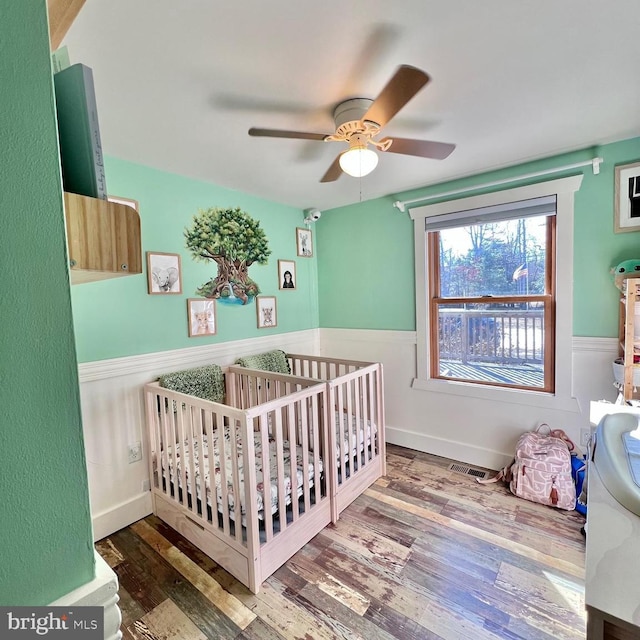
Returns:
(366, 278)
(117, 317)
(45, 529)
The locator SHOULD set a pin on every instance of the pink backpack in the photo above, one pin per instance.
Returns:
(541, 471)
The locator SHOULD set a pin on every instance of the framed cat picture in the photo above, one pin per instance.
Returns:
(201, 314)
(267, 310)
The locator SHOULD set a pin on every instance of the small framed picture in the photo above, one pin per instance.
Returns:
(202, 317)
(286, 274)
(164, 274)
(627, 198)
(266, 308)
(304, 242)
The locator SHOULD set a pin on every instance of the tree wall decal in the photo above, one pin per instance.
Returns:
(234, 241)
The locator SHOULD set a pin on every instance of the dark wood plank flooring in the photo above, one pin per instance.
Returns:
(424, 553)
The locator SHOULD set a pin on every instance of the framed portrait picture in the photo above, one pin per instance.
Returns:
(286, 274)
(267, 310)
(164, 273)
(304, 242)
(201, 314)
(627, 198)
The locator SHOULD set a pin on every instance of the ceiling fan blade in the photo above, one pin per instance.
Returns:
(333, 172)
(421, 148)
(279, 133)
(404, 84)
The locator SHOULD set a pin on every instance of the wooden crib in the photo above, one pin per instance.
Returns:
(290, 452)
(356, 405)
(245, 482)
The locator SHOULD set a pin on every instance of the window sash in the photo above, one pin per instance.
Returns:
(435, 301)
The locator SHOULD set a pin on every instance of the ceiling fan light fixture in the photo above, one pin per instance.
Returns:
(359, 160)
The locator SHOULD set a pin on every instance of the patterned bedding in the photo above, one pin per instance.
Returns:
(175, 468)
(361, 434)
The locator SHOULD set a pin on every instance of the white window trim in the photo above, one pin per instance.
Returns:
(564, 189)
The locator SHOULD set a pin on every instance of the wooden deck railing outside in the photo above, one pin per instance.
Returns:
(511, 336)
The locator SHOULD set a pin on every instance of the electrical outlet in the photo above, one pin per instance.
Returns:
(585, 434)
(135, 452)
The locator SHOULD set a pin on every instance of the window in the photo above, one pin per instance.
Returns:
(494, 294)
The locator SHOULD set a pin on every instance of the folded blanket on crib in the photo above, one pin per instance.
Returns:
(203, 382)
(275, 361)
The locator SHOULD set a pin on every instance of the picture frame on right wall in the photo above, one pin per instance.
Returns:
(627, 198)
(304, 242)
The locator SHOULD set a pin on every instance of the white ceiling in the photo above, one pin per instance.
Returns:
(178, 84)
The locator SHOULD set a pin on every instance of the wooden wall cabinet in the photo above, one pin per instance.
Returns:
(103, 239)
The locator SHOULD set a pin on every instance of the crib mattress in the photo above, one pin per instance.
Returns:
(175, 461)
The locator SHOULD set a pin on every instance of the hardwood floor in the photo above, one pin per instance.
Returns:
(424, 553)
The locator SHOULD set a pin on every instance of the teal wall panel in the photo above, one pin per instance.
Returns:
(45, 525)
(366, 265)
(117, 317)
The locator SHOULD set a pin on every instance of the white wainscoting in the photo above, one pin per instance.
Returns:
(113, 417)
(479, 431)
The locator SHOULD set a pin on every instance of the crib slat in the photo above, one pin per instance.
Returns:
(279, 451)
(339, 421)
(304, 421)
(190, 435)
(267, 511)
(225, 453)
(293, 451)
(200, 482)
(179, 418)
(362, 417)
(352, 438)
(235, 474)
(248, 492)
(165, 404)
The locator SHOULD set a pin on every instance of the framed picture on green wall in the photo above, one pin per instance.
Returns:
(627, 197)
(304, 242)
(286, 274)
(202, 317)
(266, 308)
(164, 274)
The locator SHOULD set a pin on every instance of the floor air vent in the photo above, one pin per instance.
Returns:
(468, 471)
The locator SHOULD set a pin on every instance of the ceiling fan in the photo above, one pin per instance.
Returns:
(359, 120)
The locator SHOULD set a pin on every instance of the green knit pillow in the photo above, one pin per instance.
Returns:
(275, 361)
(203, 382)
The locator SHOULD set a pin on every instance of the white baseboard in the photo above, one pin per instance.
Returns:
(102, 591)
(121, 515)
(458, 451)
